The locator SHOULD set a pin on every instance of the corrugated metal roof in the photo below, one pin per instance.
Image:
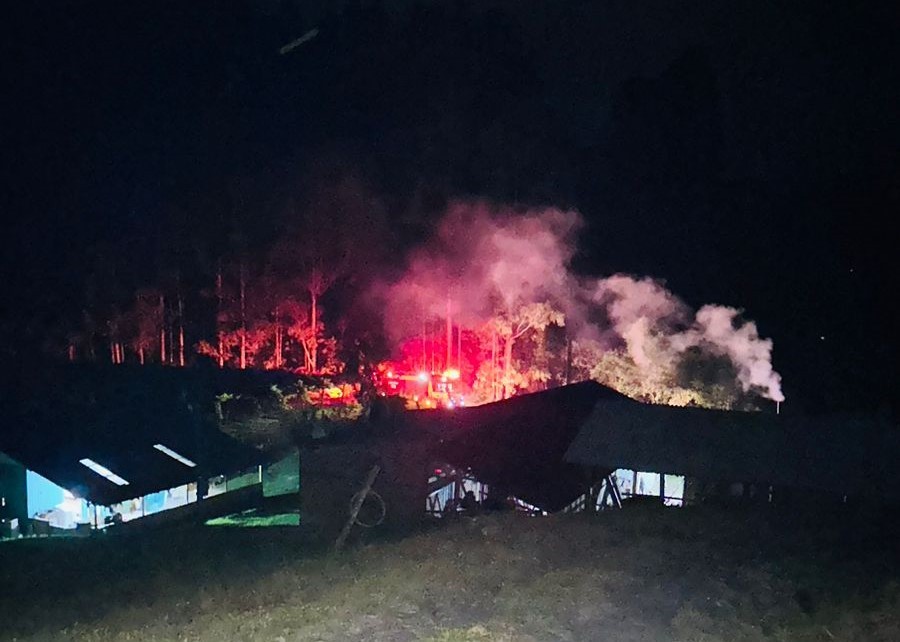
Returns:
(531, 445)
(55, 416)
(845, 454)
(518, 444)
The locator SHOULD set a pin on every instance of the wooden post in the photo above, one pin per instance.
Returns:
(358, 500)
(590, 496)
(613, 486)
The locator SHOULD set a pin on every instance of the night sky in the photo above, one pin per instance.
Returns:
(747, 154)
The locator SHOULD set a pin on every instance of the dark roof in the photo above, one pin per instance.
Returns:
(846, 454)
(518, 444)
(55, 415)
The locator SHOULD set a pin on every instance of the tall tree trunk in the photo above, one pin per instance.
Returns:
(279, 339)
(162, 329)
(314, 316)
(306, 356)
(180, 329)
(449, 337)
(243, 317)
(507, 367)
(493, 365)
(220, 334)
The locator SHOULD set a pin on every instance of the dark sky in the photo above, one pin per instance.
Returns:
(746, 153)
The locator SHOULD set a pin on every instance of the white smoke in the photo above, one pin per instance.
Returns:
(719, 330)
(481, 259)
(486, 258)
(657, 328)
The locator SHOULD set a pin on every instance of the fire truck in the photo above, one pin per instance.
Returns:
(421, 390)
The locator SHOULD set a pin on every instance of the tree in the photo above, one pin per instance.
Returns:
(515, 324)
(661, 384)
(318, 281)
(147, 323)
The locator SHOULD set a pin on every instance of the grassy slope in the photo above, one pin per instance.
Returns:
(639, 574)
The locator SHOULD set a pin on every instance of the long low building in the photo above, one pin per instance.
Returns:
(139, 439)
(840, 454)
(547, 448)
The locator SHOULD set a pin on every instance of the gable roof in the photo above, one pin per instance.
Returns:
(54, 416)
(843, 454)
(518, 444)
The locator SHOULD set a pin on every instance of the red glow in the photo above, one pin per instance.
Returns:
(444, 386)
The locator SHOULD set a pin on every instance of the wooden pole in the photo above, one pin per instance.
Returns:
(358, 500)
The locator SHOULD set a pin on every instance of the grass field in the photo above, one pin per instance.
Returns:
(642, 573)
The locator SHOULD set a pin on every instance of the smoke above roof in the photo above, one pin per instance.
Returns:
(487, 259)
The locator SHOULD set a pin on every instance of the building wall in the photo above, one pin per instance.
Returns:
(13, 497)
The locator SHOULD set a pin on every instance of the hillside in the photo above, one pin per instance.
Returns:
(643, 573)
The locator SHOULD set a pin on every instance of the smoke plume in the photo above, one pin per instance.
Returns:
(486, 259)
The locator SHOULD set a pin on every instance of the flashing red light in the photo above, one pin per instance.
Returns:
(390, 374)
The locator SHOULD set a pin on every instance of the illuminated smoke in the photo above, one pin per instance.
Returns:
(483, 259)
(657, 328)
(719, 330)
(486, 259)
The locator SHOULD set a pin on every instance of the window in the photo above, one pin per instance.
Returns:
(103, 471)
(174, 455)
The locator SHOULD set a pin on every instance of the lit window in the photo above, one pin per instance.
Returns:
(103, 471)
(174, 455)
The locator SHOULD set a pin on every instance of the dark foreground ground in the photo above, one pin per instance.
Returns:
(643, 573)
